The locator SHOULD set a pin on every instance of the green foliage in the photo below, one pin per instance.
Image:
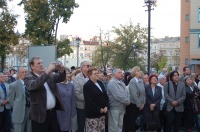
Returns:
(162, 62)
(127, 37)
(63, 48)
(43, 17)
(7, 34)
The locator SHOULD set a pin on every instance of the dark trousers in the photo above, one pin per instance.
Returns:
(163, 120)
(50, 124)
(5, 120)
(81, 119)
(173, 120)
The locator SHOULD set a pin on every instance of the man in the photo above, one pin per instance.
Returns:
(164, 72)
(44, 96)
(118, 100)
(186, 72)
(145, 79)
(5, 119)
(79, 82)
(19, 100)
(10, 78)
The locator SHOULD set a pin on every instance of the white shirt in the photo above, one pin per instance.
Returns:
(98, 86)
(136, 79)
(51, 100)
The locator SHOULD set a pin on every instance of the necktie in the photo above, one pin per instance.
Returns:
(27, 97)
(4, 90)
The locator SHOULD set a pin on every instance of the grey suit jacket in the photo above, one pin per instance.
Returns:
(179, 97)
(79, 82)
(118, 95)
(2, 96)
(17, 100)
(137, 92)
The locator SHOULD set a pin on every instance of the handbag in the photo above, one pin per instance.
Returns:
(152, 125)
(197, 106)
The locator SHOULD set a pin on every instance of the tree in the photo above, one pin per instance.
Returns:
(162, 62)
(103, 52)
(7, 34)
(43, 18)
(63, 48)
(128, 36)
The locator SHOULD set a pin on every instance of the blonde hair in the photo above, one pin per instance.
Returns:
(133, 70)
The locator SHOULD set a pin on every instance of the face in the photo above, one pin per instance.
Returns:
(6, 72)
(189, 81)
(22, 73)
(72, 77)
(101, 76)
(138, 73)
(154, 80)
(86, 67)
(145, 78)
(163, 81)
(1, 79)
(37, 67)
(12, 72)
(67, 75)
(187, 71)
(175, 77)
(118, 75)
(94, 75)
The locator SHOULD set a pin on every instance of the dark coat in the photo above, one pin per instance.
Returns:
(189, 106)
(94, 99)
(38, 96)
(150, 99)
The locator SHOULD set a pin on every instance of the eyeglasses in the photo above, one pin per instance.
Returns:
(88, 66)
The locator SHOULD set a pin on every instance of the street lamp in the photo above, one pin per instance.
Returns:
(78, 44)
(149, 3)
(134, 53)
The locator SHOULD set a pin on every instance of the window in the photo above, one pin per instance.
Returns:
(199, 40)
(187, 17)
(186, 40)
(199, 15)
(186, 61)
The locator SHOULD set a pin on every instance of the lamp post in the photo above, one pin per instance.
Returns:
(149, 3)
(134, 53)
(78, 44)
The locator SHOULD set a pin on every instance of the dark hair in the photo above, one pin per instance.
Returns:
(151, 76)
(73, 68)
(168, 77)
(31, 61)
(184, 68)
(172, 74)
(126, 74)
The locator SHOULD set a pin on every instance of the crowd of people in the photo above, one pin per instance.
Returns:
(88, 99)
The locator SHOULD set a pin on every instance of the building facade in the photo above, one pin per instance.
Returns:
(168, 47)
(190, 35)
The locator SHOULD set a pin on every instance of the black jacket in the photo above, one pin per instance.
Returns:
(95, 99)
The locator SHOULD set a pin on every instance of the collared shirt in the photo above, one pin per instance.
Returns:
(23, 85)
(98, 86)
(51, 100)
(136, 79)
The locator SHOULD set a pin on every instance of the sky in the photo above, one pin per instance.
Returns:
(91, 15)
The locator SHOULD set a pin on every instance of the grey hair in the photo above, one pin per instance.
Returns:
(115, 70)
(160, 77)
(83, 63)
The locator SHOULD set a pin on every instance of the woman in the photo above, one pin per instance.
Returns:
(152, 105)
(137, 97)
(191, 95)
(66, 90)
(96, 102)
(162, 81)
(175, 96)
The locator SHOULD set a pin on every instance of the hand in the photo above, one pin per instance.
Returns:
(105, 110)
(60, 67)
(51, 68)
(141, 107)
(4, 102)
(174, 103)
(152, 106)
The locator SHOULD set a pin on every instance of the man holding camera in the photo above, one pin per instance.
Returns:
(44, 96)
